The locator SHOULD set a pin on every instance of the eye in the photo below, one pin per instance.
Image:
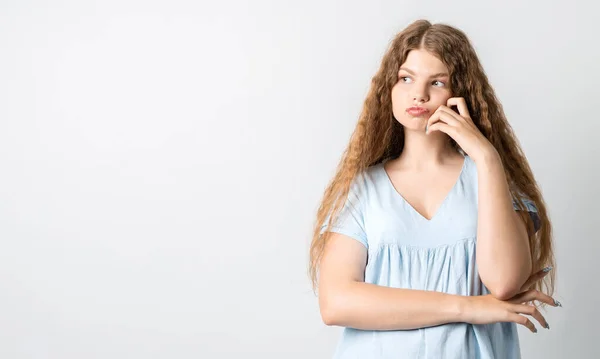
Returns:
(439, 83)
(405, 79)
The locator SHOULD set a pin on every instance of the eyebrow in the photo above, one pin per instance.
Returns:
(439, 74)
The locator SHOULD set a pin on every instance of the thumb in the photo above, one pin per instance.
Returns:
(535, 277)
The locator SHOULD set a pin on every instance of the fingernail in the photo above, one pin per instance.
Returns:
(557, 303)
(547, 269)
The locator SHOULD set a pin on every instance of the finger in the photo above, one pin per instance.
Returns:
(451, 112)
(520, 319)
(534, 312)
(534, 294)
(441, 116)
(534, 278)
(442, 127)
(461, 104)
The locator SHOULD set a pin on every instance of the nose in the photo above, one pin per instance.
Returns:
(420, 94)
(420, 97)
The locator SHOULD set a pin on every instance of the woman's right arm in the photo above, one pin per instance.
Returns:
(346, 300)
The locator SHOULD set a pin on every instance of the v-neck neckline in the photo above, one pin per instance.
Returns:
(442, 204)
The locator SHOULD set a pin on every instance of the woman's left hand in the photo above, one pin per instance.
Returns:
(460, 127)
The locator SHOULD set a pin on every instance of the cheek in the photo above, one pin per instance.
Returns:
(399, 102)
(398, 95)
(441, 97)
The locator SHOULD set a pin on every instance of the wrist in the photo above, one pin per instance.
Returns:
(457, 308)
(488, 156)
(463, 308)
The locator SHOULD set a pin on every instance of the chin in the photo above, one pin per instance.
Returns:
(414, 123)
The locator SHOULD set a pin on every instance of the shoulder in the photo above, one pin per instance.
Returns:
(366, 184)
(368, 178)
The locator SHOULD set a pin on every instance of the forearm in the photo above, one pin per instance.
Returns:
(372, 307)
(503, 253)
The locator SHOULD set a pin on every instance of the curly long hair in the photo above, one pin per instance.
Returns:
(378, 136)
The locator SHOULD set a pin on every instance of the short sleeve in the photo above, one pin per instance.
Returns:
(351, 220)
(532, 210)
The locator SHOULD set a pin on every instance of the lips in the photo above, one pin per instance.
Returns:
(416, 111)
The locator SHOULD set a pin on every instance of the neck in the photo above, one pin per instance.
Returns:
(423, 151)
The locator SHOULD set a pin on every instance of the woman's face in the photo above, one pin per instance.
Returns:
(423, 86)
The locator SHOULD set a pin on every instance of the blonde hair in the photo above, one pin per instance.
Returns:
(378, 136)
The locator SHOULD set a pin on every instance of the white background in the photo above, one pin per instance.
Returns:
(162, 162)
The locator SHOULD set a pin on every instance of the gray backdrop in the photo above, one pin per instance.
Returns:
(162, 163)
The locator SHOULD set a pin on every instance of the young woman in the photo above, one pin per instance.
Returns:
(433, 239)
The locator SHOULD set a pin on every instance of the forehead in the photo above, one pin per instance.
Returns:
(424, 63)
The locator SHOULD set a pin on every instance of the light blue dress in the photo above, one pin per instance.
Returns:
(405, 250)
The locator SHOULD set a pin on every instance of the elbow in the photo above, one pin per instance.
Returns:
(331, 307)
(328, 316)
(502, 287)
(503, 292)
(329, 312)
